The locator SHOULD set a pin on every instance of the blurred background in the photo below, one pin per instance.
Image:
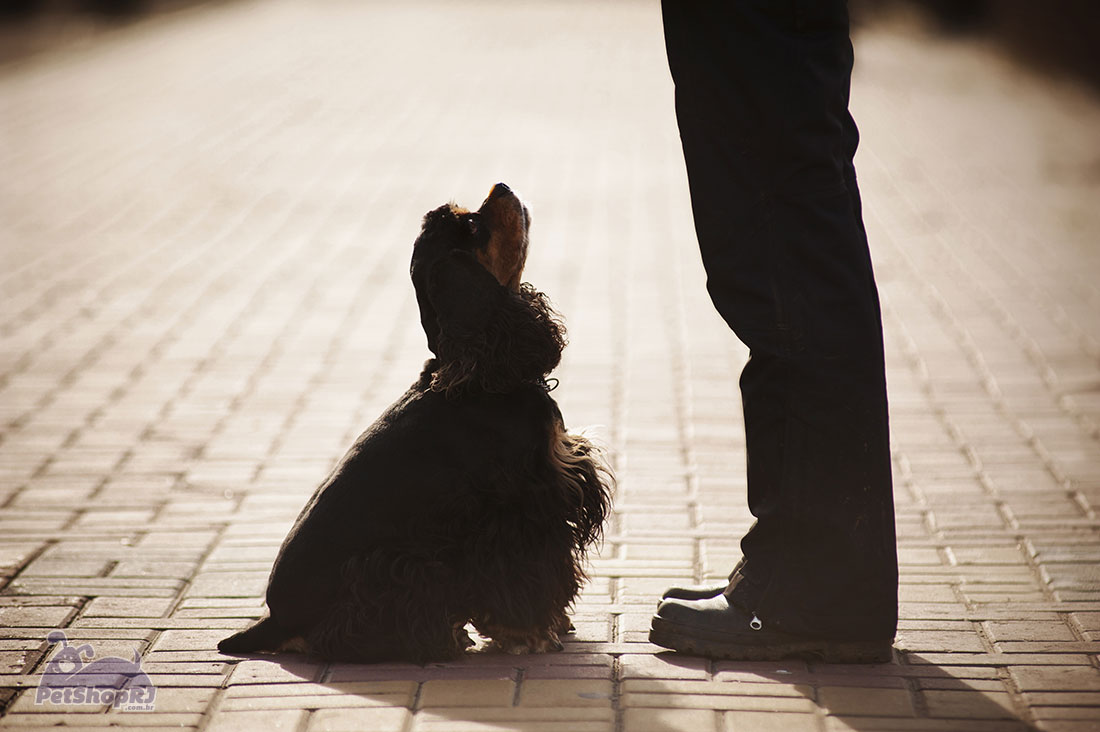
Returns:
(1060, 35)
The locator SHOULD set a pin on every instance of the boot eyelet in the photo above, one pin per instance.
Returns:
(756, 623)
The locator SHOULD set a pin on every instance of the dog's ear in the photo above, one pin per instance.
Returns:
(489, 336)
(463, 295)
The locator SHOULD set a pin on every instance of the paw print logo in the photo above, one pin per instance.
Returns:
(75, 677)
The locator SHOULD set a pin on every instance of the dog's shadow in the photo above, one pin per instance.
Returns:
(487, 686)
(494, 689)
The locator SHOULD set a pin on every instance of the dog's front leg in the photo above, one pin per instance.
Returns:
(523, 640)
(534, 639)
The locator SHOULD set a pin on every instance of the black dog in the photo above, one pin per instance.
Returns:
(467, 501)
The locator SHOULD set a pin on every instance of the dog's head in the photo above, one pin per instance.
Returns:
(487, 329)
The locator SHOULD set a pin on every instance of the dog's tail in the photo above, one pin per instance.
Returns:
(265, 635)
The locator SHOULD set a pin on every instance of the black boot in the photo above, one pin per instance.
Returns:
(715, 628)
(702, 592)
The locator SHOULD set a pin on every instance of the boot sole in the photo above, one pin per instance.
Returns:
(691, 641)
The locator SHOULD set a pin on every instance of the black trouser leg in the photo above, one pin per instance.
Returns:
(762, 105)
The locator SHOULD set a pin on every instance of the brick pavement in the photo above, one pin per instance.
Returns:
(206, 224)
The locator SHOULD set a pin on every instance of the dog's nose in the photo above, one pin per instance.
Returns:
(500, 189)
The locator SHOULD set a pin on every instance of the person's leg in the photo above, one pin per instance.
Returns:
(761, 102)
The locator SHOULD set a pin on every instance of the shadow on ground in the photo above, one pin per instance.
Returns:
(911, 689)
(907, 692)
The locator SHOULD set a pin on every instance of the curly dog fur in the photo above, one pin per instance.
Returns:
(467, 501)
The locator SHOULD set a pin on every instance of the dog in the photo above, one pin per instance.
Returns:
(467, 501)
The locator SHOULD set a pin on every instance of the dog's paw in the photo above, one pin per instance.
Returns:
(523, 640)
(511, 647)
(553, 644)
(297, 644)
(564, 625)
(463, 639)
(528, 644)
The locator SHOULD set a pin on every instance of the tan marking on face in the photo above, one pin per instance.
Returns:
(506, 253)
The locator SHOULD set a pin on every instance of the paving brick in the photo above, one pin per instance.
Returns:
(565, 692)
(1007, 630)
(723, 702)
(18, 661)
(597, 631)
(894, 724)
(181, 701)
(185, 678)
(1056, 678)
(36, 616)
(94, 587)
(730, 688)
(670, 720)
(1088, 714)
(871, 702)
(954, 704)
(568, 673)
(484, 693)
(521, 725)
(153, 568)
(187, 640)
(27, 703)
(229, 584)
(184, 657)
(1089, 622)
(1064, 698)
(103, 648)
(312, 701)
(440, 718)
(992, 684)
(769, 722)
(1067, 725)
(916, 641)
(44, 567)
(664, 666)
(257, 721)
(401, 692)
(1074, 647)
(999, 659)
(286, 670)
(786, 671)
(367, 720)
(136, 720)
(128, 607)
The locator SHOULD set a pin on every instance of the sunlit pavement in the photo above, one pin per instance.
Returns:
(205, 224)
